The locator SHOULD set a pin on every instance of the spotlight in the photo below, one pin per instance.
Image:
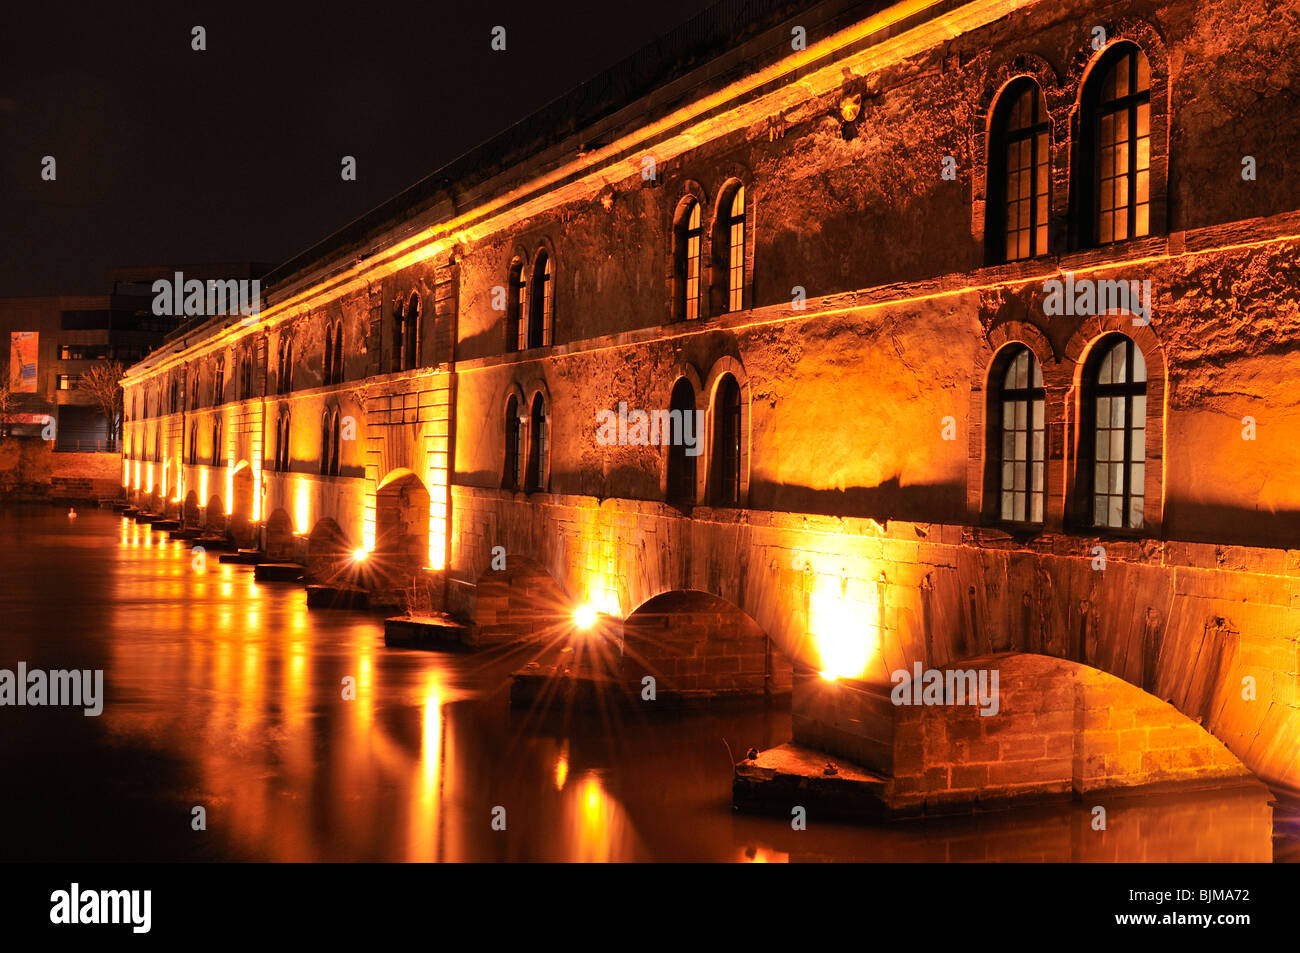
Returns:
(585, 616)
(359, 554)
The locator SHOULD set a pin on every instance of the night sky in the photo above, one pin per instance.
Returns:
(170, 156)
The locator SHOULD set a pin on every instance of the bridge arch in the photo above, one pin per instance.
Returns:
(517, 599)
(695, 642)
(279, 536)
(1020, 723)
(329, 553)
(215, 516)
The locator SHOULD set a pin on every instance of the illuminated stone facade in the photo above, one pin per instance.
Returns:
(856, 322)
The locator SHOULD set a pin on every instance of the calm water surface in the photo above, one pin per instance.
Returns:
(225, 693)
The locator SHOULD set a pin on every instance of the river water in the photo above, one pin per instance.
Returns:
(228, 695)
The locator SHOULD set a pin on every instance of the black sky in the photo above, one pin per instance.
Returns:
(166, 155)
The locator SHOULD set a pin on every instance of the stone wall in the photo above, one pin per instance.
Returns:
(31, 470)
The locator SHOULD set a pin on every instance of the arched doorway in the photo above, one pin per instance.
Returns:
(241, 515)
(401, 528)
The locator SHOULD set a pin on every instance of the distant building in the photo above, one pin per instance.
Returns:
(50, 342)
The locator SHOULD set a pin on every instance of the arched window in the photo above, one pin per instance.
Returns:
(681, 465)
(1019, 172)
(333, 354)
(336, 442)
(326, 439)
(411, 334)
(728, 243)
(194, 387)
(536, 479)
(687, 241)
(176, 396)
(327, 356)
(157, 444)
(725, 464)
(1113, 418)
(512, 476)
(1117, 148)
(1016, 435)
(284, 376)
(282, 433)
(516, 307)
(219, 381)
(193, 457)
(541, 302)
(216, 443)
(246, 377)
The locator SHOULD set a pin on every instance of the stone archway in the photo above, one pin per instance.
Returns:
(1000, 727)
(242, 528)
(518, 600)
(695, 643)
(329, 553)
(279, 537)
(216, 516)
(401, 528)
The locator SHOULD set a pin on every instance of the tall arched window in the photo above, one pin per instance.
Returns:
(512, 477)
(725, 463)
(1016, 434)
(193, 456)
(1117, 144)
(283, 433)
(327, 357)
(687, 242)
(537, 445)
(219, 381)
(1019, 172)
(681, 465)
(194, 387)
(326, 442)
(175, 396)
(516, 307)
(410, 347)
(246, 378)
(728, 243)
(541, 298)
(338, 365)
(284, 373)
(338, 444)
(1113, 420)
(216, 443)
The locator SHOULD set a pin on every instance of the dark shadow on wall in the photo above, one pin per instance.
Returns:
(1231, 525)
(920, 502)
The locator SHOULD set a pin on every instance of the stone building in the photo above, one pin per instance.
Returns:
(867, 241)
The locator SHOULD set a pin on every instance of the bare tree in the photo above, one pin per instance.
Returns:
(102, 383)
